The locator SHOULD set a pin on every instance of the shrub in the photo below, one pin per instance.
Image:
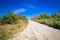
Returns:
(12, 18)
(50, 20)
(44, 16)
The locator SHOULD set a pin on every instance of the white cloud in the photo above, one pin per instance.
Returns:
(20, 10)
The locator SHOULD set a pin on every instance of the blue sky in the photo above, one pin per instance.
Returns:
(29, 8)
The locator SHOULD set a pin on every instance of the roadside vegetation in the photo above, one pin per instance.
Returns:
(50, 20)
(11, 24)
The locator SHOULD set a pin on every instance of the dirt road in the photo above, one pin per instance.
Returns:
(36, 31)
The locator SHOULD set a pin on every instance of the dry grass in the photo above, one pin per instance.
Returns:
(13, 28)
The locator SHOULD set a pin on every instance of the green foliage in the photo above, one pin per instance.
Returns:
(9, 19)
(44, 16)
(12, 18)
(50, 20)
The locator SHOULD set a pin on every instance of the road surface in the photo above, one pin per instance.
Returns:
(36, 31)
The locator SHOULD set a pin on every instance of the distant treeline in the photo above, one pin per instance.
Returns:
(50, 20)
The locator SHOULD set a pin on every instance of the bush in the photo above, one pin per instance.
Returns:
(44, 16)
(12, 18)
(50, 20)
(7, 31)
(9, 19)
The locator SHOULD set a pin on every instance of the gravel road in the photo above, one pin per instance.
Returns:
(36, 31)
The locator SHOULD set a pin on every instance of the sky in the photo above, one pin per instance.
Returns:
(29, 8)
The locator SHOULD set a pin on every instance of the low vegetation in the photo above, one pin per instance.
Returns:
(12, 18)
(11, 24)
(50, 20)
